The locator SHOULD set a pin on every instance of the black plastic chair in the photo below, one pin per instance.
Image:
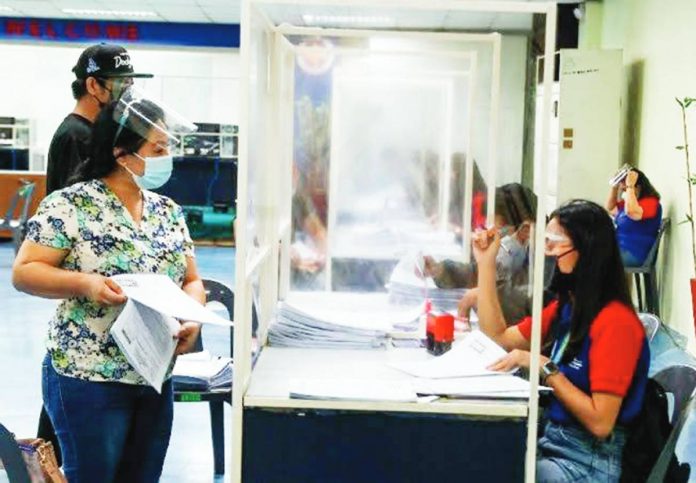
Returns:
(648, 273)
(680, 381)
(215, 292)
(11, 457)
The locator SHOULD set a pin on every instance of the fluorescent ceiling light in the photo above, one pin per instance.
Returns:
(346, 20)
(109, 13)
(5, 8)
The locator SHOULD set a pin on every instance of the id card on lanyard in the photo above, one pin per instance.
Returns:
(559, 348)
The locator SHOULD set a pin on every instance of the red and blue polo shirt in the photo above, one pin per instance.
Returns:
(614, 358)
(638, 236)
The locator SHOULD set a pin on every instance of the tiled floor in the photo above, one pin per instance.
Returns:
(23, 322)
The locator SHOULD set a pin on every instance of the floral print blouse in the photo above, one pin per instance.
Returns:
(90, 222)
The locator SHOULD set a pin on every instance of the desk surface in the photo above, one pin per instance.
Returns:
(277, 366)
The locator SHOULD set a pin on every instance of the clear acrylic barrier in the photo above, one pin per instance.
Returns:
(394, 137)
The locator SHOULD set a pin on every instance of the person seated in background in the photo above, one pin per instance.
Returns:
(308, 233)
(635, 205)
(595, 354)
(515, 212)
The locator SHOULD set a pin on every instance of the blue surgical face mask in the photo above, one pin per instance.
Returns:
(158, 170)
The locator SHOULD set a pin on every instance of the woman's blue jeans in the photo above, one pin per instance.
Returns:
(108, 431)
(572, 454)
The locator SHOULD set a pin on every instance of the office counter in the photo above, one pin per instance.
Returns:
(337, 440)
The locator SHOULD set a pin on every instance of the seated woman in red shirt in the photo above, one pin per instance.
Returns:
(594, 352)
(635, 205)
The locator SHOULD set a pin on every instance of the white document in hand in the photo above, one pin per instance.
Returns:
(146, 338)
(160, 293)
(468, 357)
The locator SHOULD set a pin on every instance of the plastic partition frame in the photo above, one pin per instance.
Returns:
(244, 274)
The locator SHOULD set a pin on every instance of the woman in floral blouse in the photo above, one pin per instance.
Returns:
(111, 425)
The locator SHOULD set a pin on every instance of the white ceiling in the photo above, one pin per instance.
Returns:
(228, 11)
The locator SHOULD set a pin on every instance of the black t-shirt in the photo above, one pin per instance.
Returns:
(69, 147)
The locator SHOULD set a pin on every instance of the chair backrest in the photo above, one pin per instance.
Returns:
(651, 324)
(12, 207)
(668, 467)
(680, 381)
(11, 457)
(651, 258)
(216, 291)
(27, 193)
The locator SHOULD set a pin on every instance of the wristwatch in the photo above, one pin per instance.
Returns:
(548, 369)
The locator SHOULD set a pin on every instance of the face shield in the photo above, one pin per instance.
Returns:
(137, 111)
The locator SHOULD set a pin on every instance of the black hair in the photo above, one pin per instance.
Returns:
(516, 203)
(79, 88)
(108, 134)
(645, 186)
(598, 273)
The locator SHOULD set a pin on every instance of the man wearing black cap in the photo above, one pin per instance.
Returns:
(102, 72)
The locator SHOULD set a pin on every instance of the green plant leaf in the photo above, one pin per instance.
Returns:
(680, 148)
(679, 101)
(688, 101)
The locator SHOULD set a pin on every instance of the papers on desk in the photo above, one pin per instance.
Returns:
(494, 387)
(469, 356)
(200, 371)
(352, 390)
(145, 329)
(337, 320)
(406, 287)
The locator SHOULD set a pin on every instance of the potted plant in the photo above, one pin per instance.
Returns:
(684, 104)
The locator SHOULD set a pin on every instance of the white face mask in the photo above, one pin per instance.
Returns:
(158, 170)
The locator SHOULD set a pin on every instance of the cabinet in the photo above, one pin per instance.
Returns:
(584, 139)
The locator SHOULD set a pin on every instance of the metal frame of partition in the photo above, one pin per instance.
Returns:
(263, 259)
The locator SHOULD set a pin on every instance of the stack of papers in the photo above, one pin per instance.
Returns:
(502, 386)
(337, 320)
(406, 287)
(202, 372)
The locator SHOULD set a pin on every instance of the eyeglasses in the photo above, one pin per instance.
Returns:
(555, 238)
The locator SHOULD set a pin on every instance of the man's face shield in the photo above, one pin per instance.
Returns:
(150, 119)
(116, 86)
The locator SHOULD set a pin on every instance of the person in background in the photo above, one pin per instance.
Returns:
(308, 233)
(514, 215)
(595, 354)
(111, 425)
(635, 205)
(102, 72)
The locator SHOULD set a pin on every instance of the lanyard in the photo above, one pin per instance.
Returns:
(558, 350)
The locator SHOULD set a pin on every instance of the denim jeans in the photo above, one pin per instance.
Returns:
(108, 431)
(572, 454)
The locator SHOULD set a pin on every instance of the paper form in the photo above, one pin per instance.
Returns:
(146, 338)
(469, 356)
(160, 293)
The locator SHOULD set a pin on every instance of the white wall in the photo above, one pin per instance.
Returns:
(659, 66)
(201, 84)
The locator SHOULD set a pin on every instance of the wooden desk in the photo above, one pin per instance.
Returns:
(10, 181)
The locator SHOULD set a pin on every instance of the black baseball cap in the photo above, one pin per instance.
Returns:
(106, 61)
